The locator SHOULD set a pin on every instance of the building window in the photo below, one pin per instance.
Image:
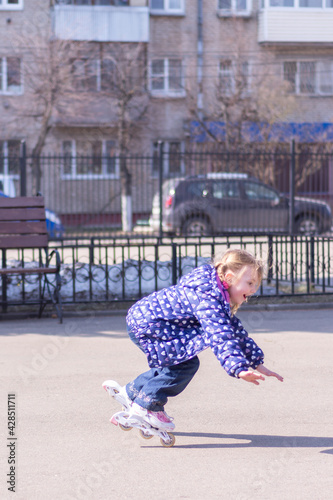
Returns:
(89, 159)
(86, 75)
(226, 77)
(312, 4)
(234, 77)
(167, 6)
(108, 75)
(11, 4)
(10, 76)
(173, 159)
(95, 75)
(309, 77)
(325, 70)
(234, 7)
(166, 77)
(10, 158)
(281, 3)
(93, 2)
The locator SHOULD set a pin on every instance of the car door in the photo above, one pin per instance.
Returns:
(190, 202)
(265, 209)
(226, 205)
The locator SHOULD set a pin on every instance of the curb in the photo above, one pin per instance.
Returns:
(123, 312)
(286, 307)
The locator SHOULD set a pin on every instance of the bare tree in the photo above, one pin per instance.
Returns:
(310, 159)
(248, 98)
(102, 84)
(124, 68)
(47, 71)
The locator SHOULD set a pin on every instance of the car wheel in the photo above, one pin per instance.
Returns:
(307, 225)
(197, 226)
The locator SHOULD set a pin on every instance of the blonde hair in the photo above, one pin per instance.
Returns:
(236, 261)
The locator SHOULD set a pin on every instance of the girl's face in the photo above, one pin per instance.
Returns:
(242, 286)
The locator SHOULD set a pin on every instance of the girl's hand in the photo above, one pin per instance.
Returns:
(265, 371)
(251, 377)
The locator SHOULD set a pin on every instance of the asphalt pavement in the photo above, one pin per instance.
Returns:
(233, 439)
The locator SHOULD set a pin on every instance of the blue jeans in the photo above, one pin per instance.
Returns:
(152, 388)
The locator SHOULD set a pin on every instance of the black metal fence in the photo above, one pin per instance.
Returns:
(88, 192)
(125, 269)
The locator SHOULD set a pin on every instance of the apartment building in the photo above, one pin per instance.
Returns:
(97, 78)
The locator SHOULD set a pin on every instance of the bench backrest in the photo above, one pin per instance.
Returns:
(22, 223)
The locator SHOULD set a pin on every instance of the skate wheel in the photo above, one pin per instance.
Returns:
(170, 442)
(125, 428)
(144, 435)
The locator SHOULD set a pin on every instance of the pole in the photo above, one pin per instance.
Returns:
(23, 169)
(292, 189)
(200, 60)
(174, 263)
(160, 185)
(4, 281)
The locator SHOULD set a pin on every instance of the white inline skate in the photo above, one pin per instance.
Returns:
(118, 393)
(133, 416)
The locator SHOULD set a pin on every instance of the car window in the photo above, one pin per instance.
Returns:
(196, 189)
(226, 189)
(255, 191)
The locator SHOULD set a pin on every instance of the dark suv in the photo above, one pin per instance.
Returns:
(231, 202)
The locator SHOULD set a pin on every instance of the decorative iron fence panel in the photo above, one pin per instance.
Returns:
(120, 269)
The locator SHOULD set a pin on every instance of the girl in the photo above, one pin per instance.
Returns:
(172, 326)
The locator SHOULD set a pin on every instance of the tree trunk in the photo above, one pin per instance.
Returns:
(37, 150)
(125, 175)
(126, 196)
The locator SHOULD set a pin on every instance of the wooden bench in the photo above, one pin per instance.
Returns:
(23, 227)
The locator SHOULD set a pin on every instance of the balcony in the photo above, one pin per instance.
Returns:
(101, 24)
(295, 25)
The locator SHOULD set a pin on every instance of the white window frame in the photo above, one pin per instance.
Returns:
(3, 75)
(75, 176)
(167, 11)
(319, 70)
(97, 73)
(166, 158)
(265, 4)
(233, 11)
(231, 74)
(226, 73)
(6, 6)
(5, 154)
(317, 83)
(89, 4)
(166, 91)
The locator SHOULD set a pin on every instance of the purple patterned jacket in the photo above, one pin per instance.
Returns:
(175, 324)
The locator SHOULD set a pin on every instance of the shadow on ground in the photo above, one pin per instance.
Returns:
(258, 441)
